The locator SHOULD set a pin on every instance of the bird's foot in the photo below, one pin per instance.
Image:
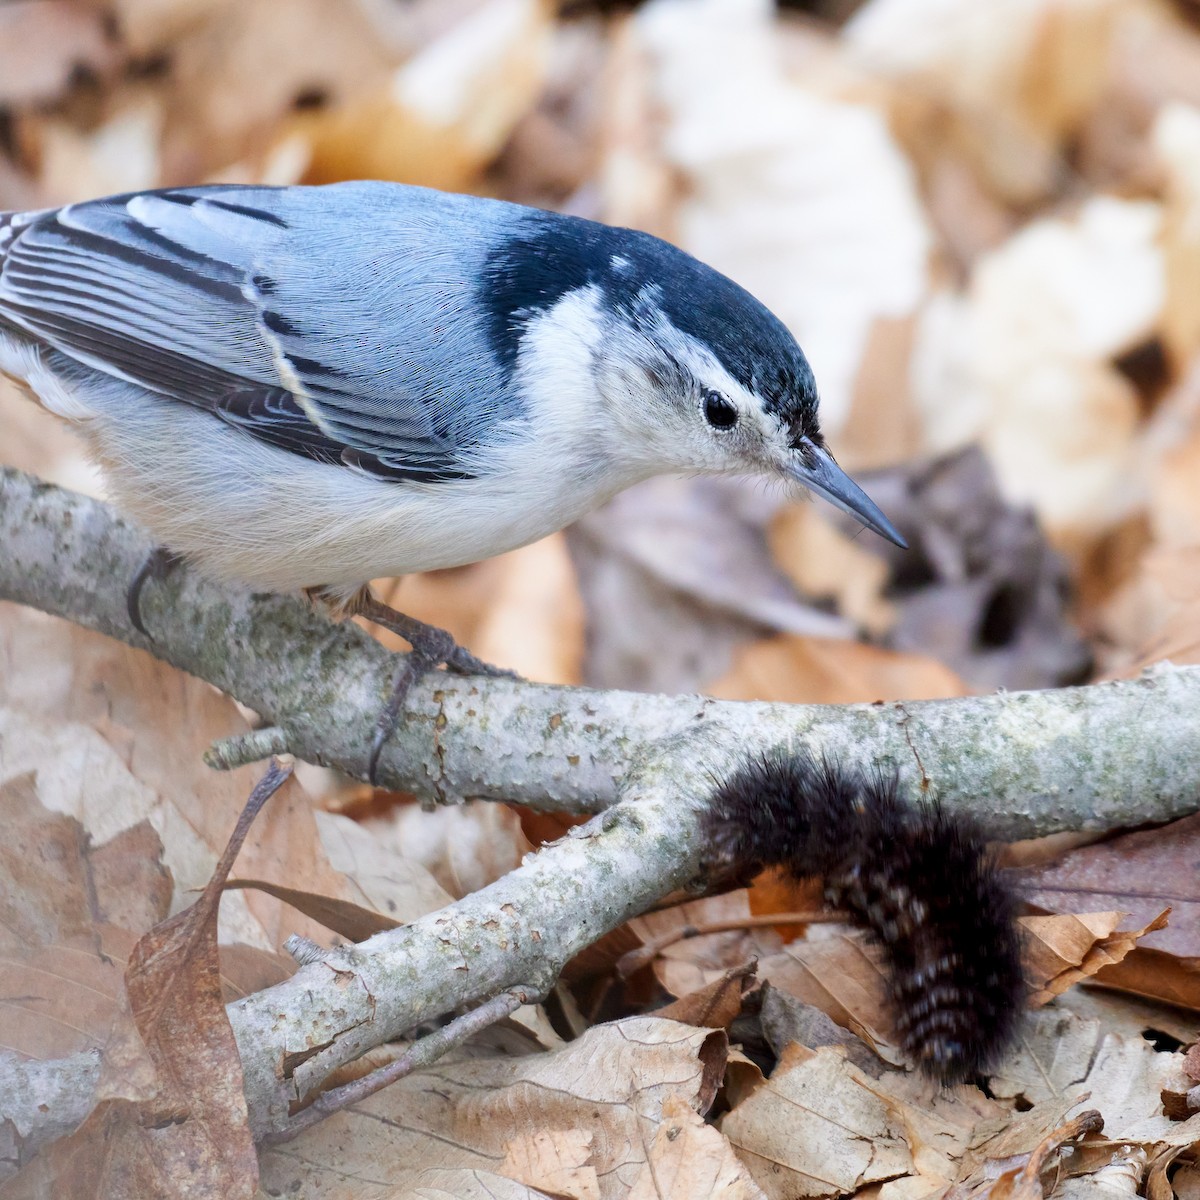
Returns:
(431, 648)
(157, 565)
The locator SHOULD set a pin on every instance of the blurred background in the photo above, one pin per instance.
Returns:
(982, 221)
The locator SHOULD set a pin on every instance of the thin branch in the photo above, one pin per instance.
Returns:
(422, 1053)
(634, 960)
(1028, 764)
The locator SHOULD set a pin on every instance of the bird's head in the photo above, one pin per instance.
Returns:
(693, 374)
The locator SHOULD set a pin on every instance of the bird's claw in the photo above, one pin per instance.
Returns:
(156, 565)
(431, 647)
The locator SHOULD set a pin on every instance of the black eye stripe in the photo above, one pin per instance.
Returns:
(718, 411)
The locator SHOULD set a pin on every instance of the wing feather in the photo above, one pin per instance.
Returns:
(199, 296)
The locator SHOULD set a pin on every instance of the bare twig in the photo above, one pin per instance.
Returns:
(421, 1053)
(635, 960)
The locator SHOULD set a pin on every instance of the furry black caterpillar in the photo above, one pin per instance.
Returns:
(918, 878)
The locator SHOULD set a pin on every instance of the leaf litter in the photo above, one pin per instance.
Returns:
(982, 223)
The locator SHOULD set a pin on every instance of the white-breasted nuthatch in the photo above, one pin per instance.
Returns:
(310, 387)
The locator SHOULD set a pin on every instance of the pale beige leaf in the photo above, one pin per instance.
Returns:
(1061, 1056)
(1177, 141)
(117, 738)
(1009, 80)
(460, 1183)
(557, 1160)
(392, 883)
(609, 1088)
(815, 1128)
(447, 111)
(462, 847)
(120, 154)
(690, 1160)
(803, 199)
(1028, 347)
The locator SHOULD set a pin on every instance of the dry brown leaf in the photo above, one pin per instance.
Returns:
(174, 989)
(1186, 1182)
(802, 198)
(676, 573)
(820, 671)
(1156, 975)
(76, 707)
(444, 115)
(1060, 951)
(775, 891)
(1064, 1057)
(247, 969)
(63, 932)
(1018, 1176)
(814, 1128)
(556, 1160)
(1157, 615)
(387, 879)
(840, 971)
(350, 921)
(223, 103)
(1029, 348)
(171, 1119)
(1053, 1054)
(785, 1019)
(521, 610)
(1177, 141)
(150, 25)
(63, 997)
(44, 42)
(534, 622)
(1128, 1014)
(463, 848)
(940, 1127)
(609, 1085)
(1139, 873)
(828, 565)
(455, 1183)
(692, 964)
(1008, 83)
(689, 1159)
(70, 915)
(1155, 62)
(712, 1007)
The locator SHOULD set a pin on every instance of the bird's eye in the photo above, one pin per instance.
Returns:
(718, 412)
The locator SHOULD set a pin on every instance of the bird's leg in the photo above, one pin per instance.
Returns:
(431, 648)
(157, 565)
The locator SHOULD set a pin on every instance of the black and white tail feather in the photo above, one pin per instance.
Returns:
(918, 878)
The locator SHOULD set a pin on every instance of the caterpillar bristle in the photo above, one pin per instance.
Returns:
(918, 878)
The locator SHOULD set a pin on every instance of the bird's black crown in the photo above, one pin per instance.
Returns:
(550, 255)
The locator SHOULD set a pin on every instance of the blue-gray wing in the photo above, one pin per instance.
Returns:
(314, 319)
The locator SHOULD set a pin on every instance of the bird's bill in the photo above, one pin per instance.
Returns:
(823, 476)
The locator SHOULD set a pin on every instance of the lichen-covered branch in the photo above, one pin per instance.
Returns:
(1028, 763)
(1097, 757)
(517, 933)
